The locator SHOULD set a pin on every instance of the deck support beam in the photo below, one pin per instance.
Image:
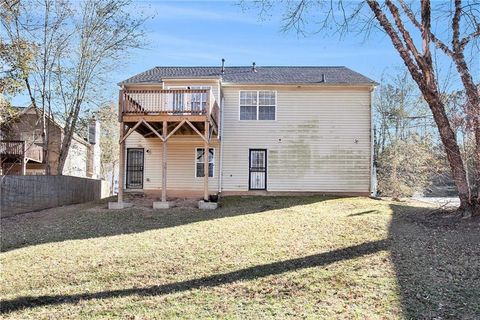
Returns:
(121, 164)
(206, 155)
(204, 137)
(124, 135)
(23, 169)
(164, 162)
(149, 126)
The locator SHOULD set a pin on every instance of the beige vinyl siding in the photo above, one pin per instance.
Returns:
(180, 162)
(311, 144)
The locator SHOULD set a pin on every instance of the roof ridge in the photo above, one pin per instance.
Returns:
(242, 74)
(247, 66)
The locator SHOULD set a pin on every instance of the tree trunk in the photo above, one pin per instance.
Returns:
(62, 157)
(457, 166)
(472, 110)
(421, 69)
(67, 138)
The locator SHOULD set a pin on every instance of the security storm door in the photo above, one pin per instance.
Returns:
(134, 168)
(258, 169)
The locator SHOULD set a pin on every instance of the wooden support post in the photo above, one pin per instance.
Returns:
(205, 161)
(121, 164)
(24, 160)
(164, 162)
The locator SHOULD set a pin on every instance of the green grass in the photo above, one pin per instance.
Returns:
(255, 257)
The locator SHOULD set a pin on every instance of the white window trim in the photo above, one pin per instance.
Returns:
(258, 104)
(195, 169)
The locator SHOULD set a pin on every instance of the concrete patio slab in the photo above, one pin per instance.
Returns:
(119, 205)
(162, 205)
(207, 205)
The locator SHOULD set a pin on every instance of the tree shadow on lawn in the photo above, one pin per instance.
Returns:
(85, 221)
(437, 263)
(251, 273)
(363, 213)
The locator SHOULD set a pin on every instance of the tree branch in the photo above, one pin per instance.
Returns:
(468, 38)
(405, 34)
(427, 57)
(397, 42)
(438, 43)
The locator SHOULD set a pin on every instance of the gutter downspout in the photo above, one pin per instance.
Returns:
(373, 173)
(220, 176)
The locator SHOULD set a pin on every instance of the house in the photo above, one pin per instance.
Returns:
(267, 130)
(22, 151)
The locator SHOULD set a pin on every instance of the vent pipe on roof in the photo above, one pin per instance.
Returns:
(223, 65)
(324, 79)
(254, 68)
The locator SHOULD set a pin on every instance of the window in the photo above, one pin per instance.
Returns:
(200, 161)
(258, 105)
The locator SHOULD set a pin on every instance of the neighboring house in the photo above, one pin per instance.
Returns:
(268, 129)
(22, 152)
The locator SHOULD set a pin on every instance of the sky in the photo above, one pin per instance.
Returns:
(197, 33)
(201, 33)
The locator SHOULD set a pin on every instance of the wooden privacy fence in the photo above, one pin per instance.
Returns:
(20, 194)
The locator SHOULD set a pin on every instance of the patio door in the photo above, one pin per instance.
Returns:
(134, 168)
(178, 99)
(257, 169)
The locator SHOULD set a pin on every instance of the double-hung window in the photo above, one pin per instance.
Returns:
(258, 105)
(200, 162)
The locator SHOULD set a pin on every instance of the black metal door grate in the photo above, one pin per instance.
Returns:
(134, 168)
(258, 169)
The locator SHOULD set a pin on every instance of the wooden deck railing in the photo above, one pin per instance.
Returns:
(16, 149)
(169, 102)
(12, 148)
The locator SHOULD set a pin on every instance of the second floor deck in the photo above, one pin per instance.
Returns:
(159, 104)
(11, 150)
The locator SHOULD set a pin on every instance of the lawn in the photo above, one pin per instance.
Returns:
(255, 257)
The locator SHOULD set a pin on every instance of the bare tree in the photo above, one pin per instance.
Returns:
(400, 21)
(398, 109)
(107, 32)
(78, 45)
(48, 35)
(408, 154)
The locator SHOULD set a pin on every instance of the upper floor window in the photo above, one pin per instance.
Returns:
(258, 105)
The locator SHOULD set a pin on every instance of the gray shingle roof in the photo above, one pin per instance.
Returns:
(263, 75)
